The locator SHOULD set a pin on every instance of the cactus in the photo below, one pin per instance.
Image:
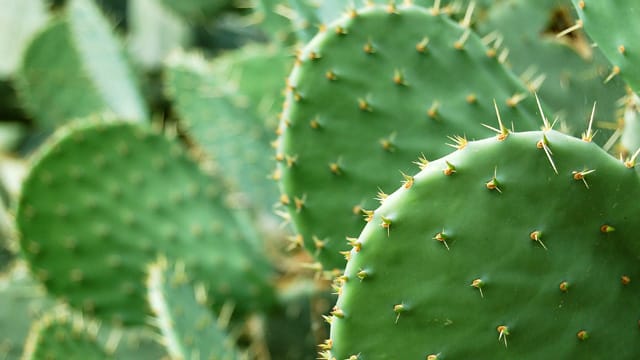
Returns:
(234, 133)
(368, 95)
(567, 72)
(189, 330)
(63, 335)
(614, 29)
(466, 261)
(121, 195)
(22, 301)
(79, 51)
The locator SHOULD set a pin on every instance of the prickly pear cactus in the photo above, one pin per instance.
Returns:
(614, 27)
(520, 246)
(79, 51)
(63, 335)
(567, 72)
(102, 200)
(377, 89)
(189, 329)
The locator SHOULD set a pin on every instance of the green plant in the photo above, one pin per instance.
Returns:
(516, 239)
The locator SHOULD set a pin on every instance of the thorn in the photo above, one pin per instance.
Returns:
(386, 223)
(588, 136)
(398, 78)
(503, 132)
(459, 44)
(381, 196)
(545, 122)
(435, 9)
(537, 236)
(459, 142)
(442, 237)
(535, 84)
(450, 169)
(408, 180)
(543, 144)
(515, 99)
(503, 332)
(466, 22)
(631, 162)
(607, 229)
(580, 175)
(564, 286)
(504, 54)
(478, 284)
(368, 215)
(399, 309)
(421, 47)
(422, 162)
(582, 335)
(615, 71)
(433, 110)
(577, 26)
(494, 184)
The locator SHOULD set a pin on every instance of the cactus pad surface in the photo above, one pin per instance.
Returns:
(103, 200)
(370, 94)
(523, 247)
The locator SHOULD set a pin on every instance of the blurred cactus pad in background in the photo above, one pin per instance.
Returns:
(319, 179)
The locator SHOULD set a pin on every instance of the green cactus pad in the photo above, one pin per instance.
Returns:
(79, 51)
(227, 123)
(614, 27)
(373, 92)
(22, 301)
(102, 200)
(567, 72)
(520, 248)
(62, 335)
(189, 329)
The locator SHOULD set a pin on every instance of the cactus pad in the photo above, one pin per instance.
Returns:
(614, 27)
(371, 93)
(62, 335)
(102, 200)
(522, 247)
(79, 51)
(189, 329)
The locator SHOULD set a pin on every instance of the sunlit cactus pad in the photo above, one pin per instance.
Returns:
(522, 247)
(369, 95)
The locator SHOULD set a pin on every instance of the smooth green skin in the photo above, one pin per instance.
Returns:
(189, 329)
(630, 139)
(306, 21)
(352, 138)
(63, 336)
(22, 300)
(196, 10)
(80, 51)
(103, 199)
(573, 82)
(233, 136)
(488, 238)
(611, 26)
